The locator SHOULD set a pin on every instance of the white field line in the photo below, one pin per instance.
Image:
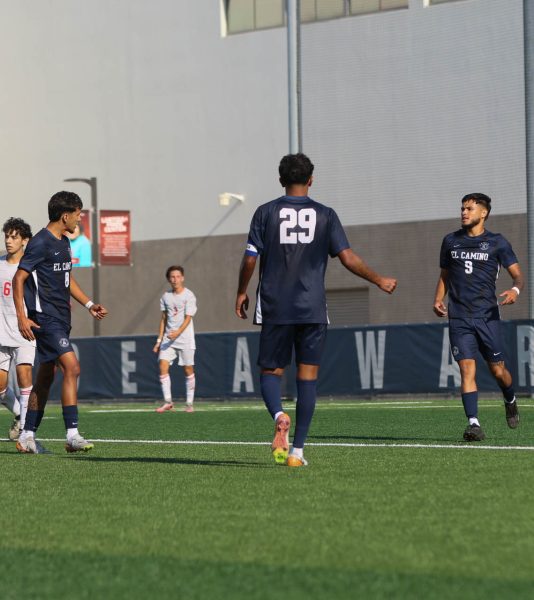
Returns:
(316, 444)
(318, 407)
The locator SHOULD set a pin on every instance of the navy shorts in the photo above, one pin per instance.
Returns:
(277, 343)
(52, 338)
(467, 336)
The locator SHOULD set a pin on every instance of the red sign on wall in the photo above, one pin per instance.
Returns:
(115, 241)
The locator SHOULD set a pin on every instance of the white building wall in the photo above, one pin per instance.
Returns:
(403, 112)
(407, 111)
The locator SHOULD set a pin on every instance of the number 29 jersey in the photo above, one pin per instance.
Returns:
(294, 236)
(49, 262)
(473, 265)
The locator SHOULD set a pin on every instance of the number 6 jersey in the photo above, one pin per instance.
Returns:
(49, 262)
(294, 235)
(473, 265)
(9, 328)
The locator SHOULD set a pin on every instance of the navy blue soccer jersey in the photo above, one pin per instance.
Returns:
(49, 262)
(473, 265)
(294, 235)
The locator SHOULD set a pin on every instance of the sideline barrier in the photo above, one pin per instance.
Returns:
(390, 359)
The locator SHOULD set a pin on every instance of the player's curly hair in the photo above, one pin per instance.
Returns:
(295, 169)
(173, 268)
(479, 198)
(18, 226)
(63, 202)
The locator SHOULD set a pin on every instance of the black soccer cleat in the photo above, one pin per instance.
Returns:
(512, 414)
(474, 433)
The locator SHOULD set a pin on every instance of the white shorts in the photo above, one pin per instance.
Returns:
(19, 355)
(186, 356)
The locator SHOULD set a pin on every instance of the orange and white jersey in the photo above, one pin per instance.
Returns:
(9, 329)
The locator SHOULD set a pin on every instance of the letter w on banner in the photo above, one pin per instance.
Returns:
(371, 358)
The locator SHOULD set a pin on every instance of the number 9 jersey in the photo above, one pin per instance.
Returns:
(294, 236)
(47, 290)
(473, 264)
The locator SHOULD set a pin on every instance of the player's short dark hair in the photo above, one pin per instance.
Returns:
(174, 268)
(18, 226)
(63, 202)
(295, 169)
(479, 198)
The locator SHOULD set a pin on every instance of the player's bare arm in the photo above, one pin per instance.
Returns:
(510, 296)
(351, 261)
(25, 324)
(97, 310)
(176, 333)
(161, 331)
(440, 308)
(245, 273)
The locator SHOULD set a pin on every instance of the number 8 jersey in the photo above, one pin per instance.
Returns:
(473, 265)
(49, 262)
(294, 236)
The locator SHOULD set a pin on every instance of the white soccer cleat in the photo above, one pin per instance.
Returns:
(78, 444)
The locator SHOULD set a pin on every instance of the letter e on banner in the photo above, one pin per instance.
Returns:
(128, 366)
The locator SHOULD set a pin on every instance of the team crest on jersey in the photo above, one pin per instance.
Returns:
(63, 342)
(484, 245)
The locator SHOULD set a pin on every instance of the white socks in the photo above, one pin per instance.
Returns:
(9, 400)
(24, 397)
(165, 381)
(189, 388)
(71, 433)
(280, 412)
(474, 421)
(297, 452)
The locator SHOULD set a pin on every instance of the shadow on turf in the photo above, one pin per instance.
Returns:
(377, 438)
(169, 461)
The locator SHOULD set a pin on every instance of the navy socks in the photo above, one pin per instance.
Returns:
(33, 420)
(271, 391)
(70, 417)
(470, 402)
(306, 397)
(508, 393)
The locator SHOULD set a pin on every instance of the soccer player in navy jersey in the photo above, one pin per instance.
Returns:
(294, 236)
(470, 261)
(44, 282)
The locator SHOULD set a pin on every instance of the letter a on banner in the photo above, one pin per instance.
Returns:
(242, 370)
(371, 359)
(449, 367)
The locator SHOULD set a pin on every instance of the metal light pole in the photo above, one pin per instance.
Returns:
(293, 70)
(528, 29)
(91, 182)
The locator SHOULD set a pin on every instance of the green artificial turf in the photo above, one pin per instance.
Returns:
(366, 520)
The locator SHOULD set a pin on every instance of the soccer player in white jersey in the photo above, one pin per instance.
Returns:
(176, 337)
(13, 347)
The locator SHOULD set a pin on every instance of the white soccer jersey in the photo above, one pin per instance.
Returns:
(9, 329)
(177, 307)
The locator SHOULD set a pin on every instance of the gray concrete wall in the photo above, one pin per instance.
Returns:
(407, 251)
